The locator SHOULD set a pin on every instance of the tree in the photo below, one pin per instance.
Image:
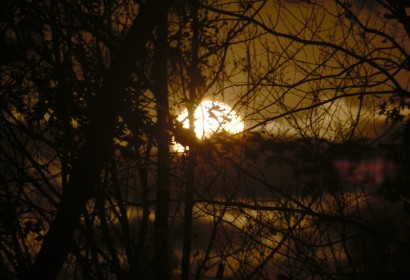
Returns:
(100, 130)
(92, 185)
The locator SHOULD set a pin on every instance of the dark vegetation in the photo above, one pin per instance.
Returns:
(315, 187)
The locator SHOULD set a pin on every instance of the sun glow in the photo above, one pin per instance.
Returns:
(211, 118)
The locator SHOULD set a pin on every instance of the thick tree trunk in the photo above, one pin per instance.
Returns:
(160, 88)
(97, 148)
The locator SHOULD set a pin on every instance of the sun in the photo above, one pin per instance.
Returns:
(213, 117)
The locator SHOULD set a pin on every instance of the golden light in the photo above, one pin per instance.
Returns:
(212, 117)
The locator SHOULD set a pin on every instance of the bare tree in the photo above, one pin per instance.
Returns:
(93, 184)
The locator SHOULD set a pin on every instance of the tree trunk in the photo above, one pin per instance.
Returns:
(189, 190)
(97, 148)
(160, 89)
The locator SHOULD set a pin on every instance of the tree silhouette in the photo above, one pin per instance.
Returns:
(94, 186)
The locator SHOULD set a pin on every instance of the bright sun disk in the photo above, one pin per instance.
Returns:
(212, 117)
